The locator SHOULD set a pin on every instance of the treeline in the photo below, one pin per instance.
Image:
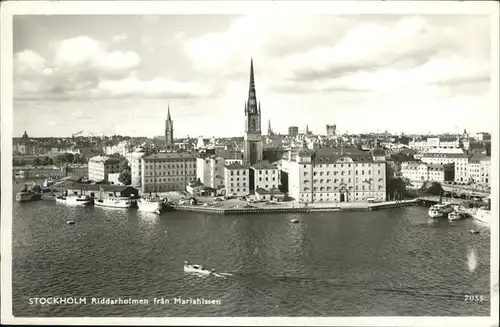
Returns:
(59, 160)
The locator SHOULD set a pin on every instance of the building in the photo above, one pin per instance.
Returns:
(331, 130)
(121, 148)
(100, 166)
(474, 170)
(435, 143)
(162, 172)
(134, 161)
(459, 159)
(194, 187)
(237, 179)
(269, 129)
(264, 175)
(336, 175)
(253, 134)
(481, 137)
(210, 169)
(419, 173)
(293, 131)
(169, 131)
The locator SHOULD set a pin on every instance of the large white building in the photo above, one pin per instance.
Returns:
(459, 159)
(101, 166)
(265, 176)
(169, 171)
(237, 179)
(210, 169)
(337, 175)
(121, 148)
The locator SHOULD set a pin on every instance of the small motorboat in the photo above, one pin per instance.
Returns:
(474, 231)
(295, 221)
(70, 222)
(440, 210)
(199, 269)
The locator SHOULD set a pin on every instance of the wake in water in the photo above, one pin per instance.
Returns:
(472, 260)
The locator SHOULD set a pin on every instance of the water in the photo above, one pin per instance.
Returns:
(389, 262)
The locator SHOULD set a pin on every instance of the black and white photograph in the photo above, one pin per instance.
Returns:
(228, 163)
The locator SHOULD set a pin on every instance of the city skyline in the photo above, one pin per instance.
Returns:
(361, 73)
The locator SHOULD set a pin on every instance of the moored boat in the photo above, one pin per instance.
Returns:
(74, 200)
(113, 203)
(455, 215)
(482, 215)
(150, 205)
(440, 210)
(199, 269)
(28, 196)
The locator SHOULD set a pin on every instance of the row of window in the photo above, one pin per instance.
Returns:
(336, 188)
(343, 165)
(233, 190)
(369, 172)
(243, 172)
(267, 179)
(170, 166)
(173, 173)
(159, 180)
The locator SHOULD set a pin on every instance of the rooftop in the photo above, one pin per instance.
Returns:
(333, 154)
(237, 166)
(170, 155)
(264, 165)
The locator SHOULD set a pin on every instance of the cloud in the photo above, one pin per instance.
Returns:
(83, 50)
(28, 60)
(120, 38)
(156, 88)
(338, 53)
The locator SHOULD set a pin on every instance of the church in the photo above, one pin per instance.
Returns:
(253, 147)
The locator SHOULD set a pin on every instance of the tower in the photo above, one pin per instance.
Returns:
(169, 131)
(269, 129)
(253, 134)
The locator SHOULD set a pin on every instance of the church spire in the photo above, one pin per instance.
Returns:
(269, 129)
(252, 97)
(168, 113)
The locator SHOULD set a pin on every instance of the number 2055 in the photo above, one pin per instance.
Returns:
(473, 298)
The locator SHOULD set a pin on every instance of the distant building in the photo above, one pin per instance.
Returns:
(459, 159)
(483, 137)
(236, 179)
(164, 172)
(121, 148)
(479, 170)
(100, 166)
(331, 130)
(293, 131)
(419, 173)
(434, 143)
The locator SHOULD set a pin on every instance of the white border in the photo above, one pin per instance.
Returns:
(8, 9)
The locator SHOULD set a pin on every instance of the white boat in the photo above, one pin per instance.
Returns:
(150, 205)
(113, 203)
(74, 200)
(440, 210)
(295, 221)
(199, 269)
(455, 215)
(483, 215)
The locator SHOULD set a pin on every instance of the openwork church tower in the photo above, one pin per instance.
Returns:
(253, 134)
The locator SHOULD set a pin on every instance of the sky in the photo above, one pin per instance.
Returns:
(365, 73)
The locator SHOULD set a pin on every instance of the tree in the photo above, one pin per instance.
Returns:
(125, 177)
(37, 162)
(47, 161)
(79, 159)
(124, 165)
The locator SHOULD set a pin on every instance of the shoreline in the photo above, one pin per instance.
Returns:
(286, 207)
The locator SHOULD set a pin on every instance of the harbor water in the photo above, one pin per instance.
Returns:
(390, 262)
